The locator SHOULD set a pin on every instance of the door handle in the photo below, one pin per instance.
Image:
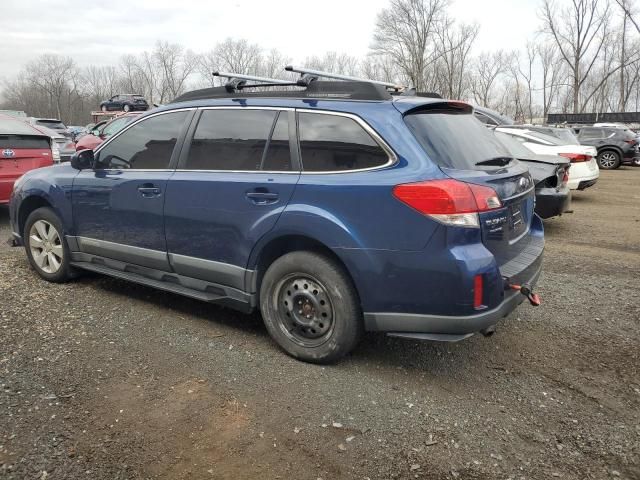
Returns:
(148, 190)
(262, 198)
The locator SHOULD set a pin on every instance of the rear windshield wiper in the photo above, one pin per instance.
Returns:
(497, 161)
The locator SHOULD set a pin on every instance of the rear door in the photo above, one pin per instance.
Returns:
(467, 151)
(234, 180)
(18, 155)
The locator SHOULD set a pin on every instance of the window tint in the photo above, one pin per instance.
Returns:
(230, 140)
(24, 141)
(147, 145)
(334, 143)
(455, 140)
(278, 157)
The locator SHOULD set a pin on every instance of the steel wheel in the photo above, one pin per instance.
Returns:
(46, 246)
(608, 160)
(126, 108)
(306, 314)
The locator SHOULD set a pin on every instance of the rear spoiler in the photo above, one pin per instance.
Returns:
(446, 106)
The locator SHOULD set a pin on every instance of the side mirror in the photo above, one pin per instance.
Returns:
(82, 160)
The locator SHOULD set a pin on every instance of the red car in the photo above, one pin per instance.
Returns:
(100, 133)
(22, 148)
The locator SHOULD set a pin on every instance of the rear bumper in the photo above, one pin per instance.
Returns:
(443, 327)
(551, 202)
(586, 184)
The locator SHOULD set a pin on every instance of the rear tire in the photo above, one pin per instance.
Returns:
(609, 160)
(46, 246)
(104, 108)
(126, 108)
(310, 307)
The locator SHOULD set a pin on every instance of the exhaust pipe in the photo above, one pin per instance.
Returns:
(489, 331)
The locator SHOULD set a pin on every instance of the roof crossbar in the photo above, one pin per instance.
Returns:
(238, 81)
(307, 75)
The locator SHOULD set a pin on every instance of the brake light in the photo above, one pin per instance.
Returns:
(565, 177)
(630, 142)
(576, 157)
(477, 291)
(449, 201)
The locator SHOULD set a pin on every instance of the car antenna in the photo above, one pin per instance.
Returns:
(308, 75)
(238, 81)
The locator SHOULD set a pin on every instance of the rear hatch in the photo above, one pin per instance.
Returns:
(18, 155)
(467, 151)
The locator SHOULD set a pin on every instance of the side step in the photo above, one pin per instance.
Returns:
(150, 282)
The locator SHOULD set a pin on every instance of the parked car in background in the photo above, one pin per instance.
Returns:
(562, 133)
(52, 124)
(22, 148)
(14, 113)
(616, 146)
(125, 102)
(66, 146)
(584, 170)
(331, 216)
(77, 131)
(103, 130)
(491, 118)
(550, 174)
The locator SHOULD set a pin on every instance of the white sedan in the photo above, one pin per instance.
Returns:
(584, 171)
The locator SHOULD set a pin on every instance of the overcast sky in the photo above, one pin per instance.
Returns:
(99, 32)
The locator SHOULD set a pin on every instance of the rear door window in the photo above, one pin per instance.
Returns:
(331, 143)
(453, 139)
(231, 140)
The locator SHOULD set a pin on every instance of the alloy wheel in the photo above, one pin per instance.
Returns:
(45, 245)
(607, 160)
(306, 314)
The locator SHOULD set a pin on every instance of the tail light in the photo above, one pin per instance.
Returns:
(449, 201)
(630, 142)
(565, 176)
(576, 157)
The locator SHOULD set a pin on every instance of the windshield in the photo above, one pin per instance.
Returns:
(455, 140)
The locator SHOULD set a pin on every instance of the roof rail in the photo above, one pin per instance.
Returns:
(238, 81)
(307, 75)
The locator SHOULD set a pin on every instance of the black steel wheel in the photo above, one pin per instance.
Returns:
(310, 307)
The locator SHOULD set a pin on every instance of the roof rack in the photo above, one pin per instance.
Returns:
(238, 81)
(348, 88)
(308, 75)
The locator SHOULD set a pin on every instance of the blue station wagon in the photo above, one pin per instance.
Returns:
(334, 210)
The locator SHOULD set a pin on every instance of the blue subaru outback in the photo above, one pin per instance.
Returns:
(335, 209)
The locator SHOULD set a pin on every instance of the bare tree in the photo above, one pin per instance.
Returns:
(454, 48)
(579, 31)
(552, 70)
(488, 67)
(405, 33)
(51, 73)
(176, 65)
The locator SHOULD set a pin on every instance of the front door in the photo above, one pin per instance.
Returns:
(232, 183)
(117, 206)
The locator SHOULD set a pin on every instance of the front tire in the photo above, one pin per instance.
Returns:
(608, 160)
(310, 307)
(46, 247)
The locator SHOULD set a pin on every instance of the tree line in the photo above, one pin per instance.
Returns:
(585, 57)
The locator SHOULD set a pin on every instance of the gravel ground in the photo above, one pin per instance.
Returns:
(102, 379)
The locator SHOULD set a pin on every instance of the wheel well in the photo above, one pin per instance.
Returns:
(27, 206)
(292, 243)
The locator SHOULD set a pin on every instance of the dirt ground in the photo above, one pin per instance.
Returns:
(102, 379)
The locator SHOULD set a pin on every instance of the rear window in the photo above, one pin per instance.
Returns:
(517, 149)
(455, 140)
(56, 125)
(544, 138)
(24, 141)
(566, 135)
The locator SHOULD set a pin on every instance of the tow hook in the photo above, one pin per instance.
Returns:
(526, 290)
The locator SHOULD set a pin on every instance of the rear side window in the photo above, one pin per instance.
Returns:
(455, 140)
(24, 141)
(334, 143)
(590, 134)
(230, 140)
(148, 145)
